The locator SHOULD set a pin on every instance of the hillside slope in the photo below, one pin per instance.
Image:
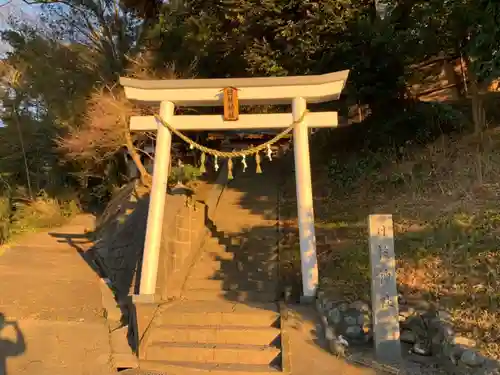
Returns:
(447, 226)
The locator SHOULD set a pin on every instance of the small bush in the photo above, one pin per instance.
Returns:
(185, 174)
(362, 152)
(5, 212)
(40, 213)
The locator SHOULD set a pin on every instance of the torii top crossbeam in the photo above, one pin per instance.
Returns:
(257, 91)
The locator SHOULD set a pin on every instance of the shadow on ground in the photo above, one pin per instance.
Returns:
(12, 345)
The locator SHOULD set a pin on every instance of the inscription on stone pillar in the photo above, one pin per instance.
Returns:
(383, 288)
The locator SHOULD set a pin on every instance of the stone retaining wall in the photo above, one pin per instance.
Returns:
(119, 243)
(426, 333)
(182, 237)
(119, 252)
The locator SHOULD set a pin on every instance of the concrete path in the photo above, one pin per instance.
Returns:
(50, 306)
(310, 354)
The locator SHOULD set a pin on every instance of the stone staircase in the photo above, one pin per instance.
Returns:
(228, 320)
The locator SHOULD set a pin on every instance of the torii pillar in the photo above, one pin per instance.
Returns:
(294, 90)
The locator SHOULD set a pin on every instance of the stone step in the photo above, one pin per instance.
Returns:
(209, 268)
(206, 269)
(190, 368)
(213, 243)
(220, 313)
(211, 264)
(216, 254)
(216, 334)
(236, 295)
(228, 284)
(213, 353)
(233, 280)
(244, 256)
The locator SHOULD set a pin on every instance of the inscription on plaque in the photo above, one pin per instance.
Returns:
(384, 290)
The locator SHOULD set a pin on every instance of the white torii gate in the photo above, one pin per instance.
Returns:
(294, 90)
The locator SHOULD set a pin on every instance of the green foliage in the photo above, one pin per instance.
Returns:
(346, 172)
(484, 46)
(5, 211)
(84, 45)
(18, 216)
(185, 174)
(367, 147)
(417, 124)
(48, 75)
(43, 212)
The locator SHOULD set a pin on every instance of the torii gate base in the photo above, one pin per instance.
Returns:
(251, 91)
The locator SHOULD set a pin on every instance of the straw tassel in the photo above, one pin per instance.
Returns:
(202, 163)
(230, 169)
(269, 153)
(257, 161)
(244, 162)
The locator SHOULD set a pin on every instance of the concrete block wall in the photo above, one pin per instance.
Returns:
(120, 239)
(119, 252)
(182, 240)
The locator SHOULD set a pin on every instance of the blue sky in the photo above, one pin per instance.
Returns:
(16, 8)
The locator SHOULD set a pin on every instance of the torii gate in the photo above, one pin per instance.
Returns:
(294, 90)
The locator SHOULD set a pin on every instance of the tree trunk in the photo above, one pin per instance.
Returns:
(145, 177)
(478, 118)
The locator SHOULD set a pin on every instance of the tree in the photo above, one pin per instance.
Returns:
(87, 44)
(484, 42)
(67, 58)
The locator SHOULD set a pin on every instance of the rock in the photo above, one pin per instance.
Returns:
(406, 312)
(351, 317)
(319, 304)
(354, 332)
(439, 331)
(472, 358)
(320, 296)
(334, 316)
(362, 320)
(329, 333)
(490, 369)
(360, 306)
(324, 320)
(421, 347)
(338, 346)
(408, 336)
(401, 299)
(429, 318)
(444, 316)
(449, 351)
(416, 324)
(447, 330)
(343, 306)
(367, 319)
(328, 305)
(464, 341)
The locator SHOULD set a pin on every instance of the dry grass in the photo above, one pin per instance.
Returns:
(26, 216)
(104, 129)
(447, 228)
